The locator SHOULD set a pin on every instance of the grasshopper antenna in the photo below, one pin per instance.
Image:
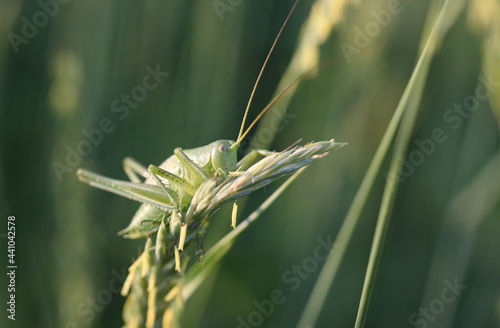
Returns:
(242, 135)
(282, 92)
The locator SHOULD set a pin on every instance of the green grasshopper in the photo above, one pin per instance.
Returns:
(171, 186)
(168, 189)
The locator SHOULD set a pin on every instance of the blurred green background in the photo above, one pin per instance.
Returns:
(66, 75)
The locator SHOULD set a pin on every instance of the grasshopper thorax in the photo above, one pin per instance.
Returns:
(223, 155)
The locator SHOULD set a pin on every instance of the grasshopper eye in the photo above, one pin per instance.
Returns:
(222, 148)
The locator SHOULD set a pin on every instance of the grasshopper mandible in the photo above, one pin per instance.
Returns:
(168, 189)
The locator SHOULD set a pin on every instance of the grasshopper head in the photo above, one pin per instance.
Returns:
(223, 155)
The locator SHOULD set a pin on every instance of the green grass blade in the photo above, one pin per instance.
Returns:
(332, 264)
(411, 96)
(410, 101)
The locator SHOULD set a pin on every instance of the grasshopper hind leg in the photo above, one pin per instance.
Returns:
(134, 169)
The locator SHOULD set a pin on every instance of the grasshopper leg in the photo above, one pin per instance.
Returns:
(141, 192)
(198, 175)
(134, 169)
(157, 173)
